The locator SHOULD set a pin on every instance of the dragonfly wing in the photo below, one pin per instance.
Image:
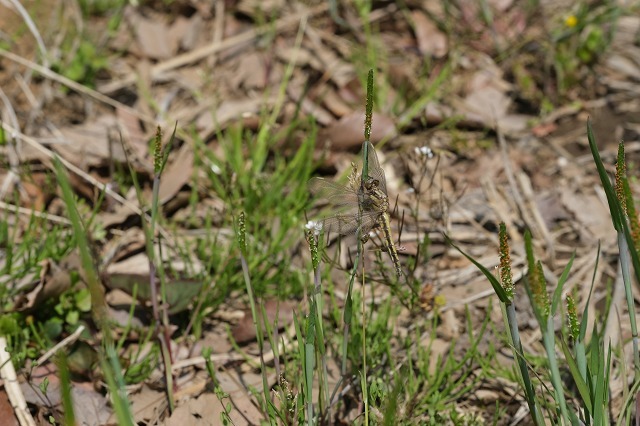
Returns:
(332, 192)
(375, 170)
(347, 224)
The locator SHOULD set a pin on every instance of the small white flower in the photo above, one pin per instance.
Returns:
(562, 162)
(424, 151)
(411, 190)
(215, 169)
(314, 226)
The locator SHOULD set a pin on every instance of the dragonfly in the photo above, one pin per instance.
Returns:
(365, 202)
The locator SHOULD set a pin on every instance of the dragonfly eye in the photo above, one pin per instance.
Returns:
(372, 183)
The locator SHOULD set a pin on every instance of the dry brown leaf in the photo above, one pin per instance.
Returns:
(348, 132)
(185, 32)
(487, 105)
(485, 93)
(551, 208)
(32, 392)
(152, 35)
(237, 385)
(119, 215)
(88, 144)
(244, 331)
(128, 243)
(209, 121)
(204, 410)
(90, 407)
(54, 280)
(177, 174)
(145, 405)
(431, 41)
(180, 293)
(194, 32)
(296, 92)
(6, 410)
(133, 133)
(351, 92)
(436, 113)
(333, 102)
(120, 314)
(139, 262)
(592, 218)
(33, 195)
(251, 72)
(514, 124)
(134, 273)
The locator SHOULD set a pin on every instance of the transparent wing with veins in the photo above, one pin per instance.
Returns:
(345, 197)
(347, 224)
(334, 193)
(375, 171)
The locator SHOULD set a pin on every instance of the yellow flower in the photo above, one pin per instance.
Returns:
(571, 21)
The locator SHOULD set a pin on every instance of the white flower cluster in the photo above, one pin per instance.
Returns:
(314, 226)
(424, 151)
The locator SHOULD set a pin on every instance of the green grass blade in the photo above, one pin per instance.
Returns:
(310, 356)
(557, 294)
(617, 215)
(548, 337)
(514, 335)
(391, 408)
(65, 389)
(583, 389)
(98, 304)
(585, 311)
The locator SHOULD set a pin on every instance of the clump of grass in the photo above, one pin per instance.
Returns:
(587, 358)
(580, 40)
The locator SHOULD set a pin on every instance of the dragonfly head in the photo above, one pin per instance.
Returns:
(371, 184)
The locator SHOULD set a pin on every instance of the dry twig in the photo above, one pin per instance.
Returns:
(8, 374)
